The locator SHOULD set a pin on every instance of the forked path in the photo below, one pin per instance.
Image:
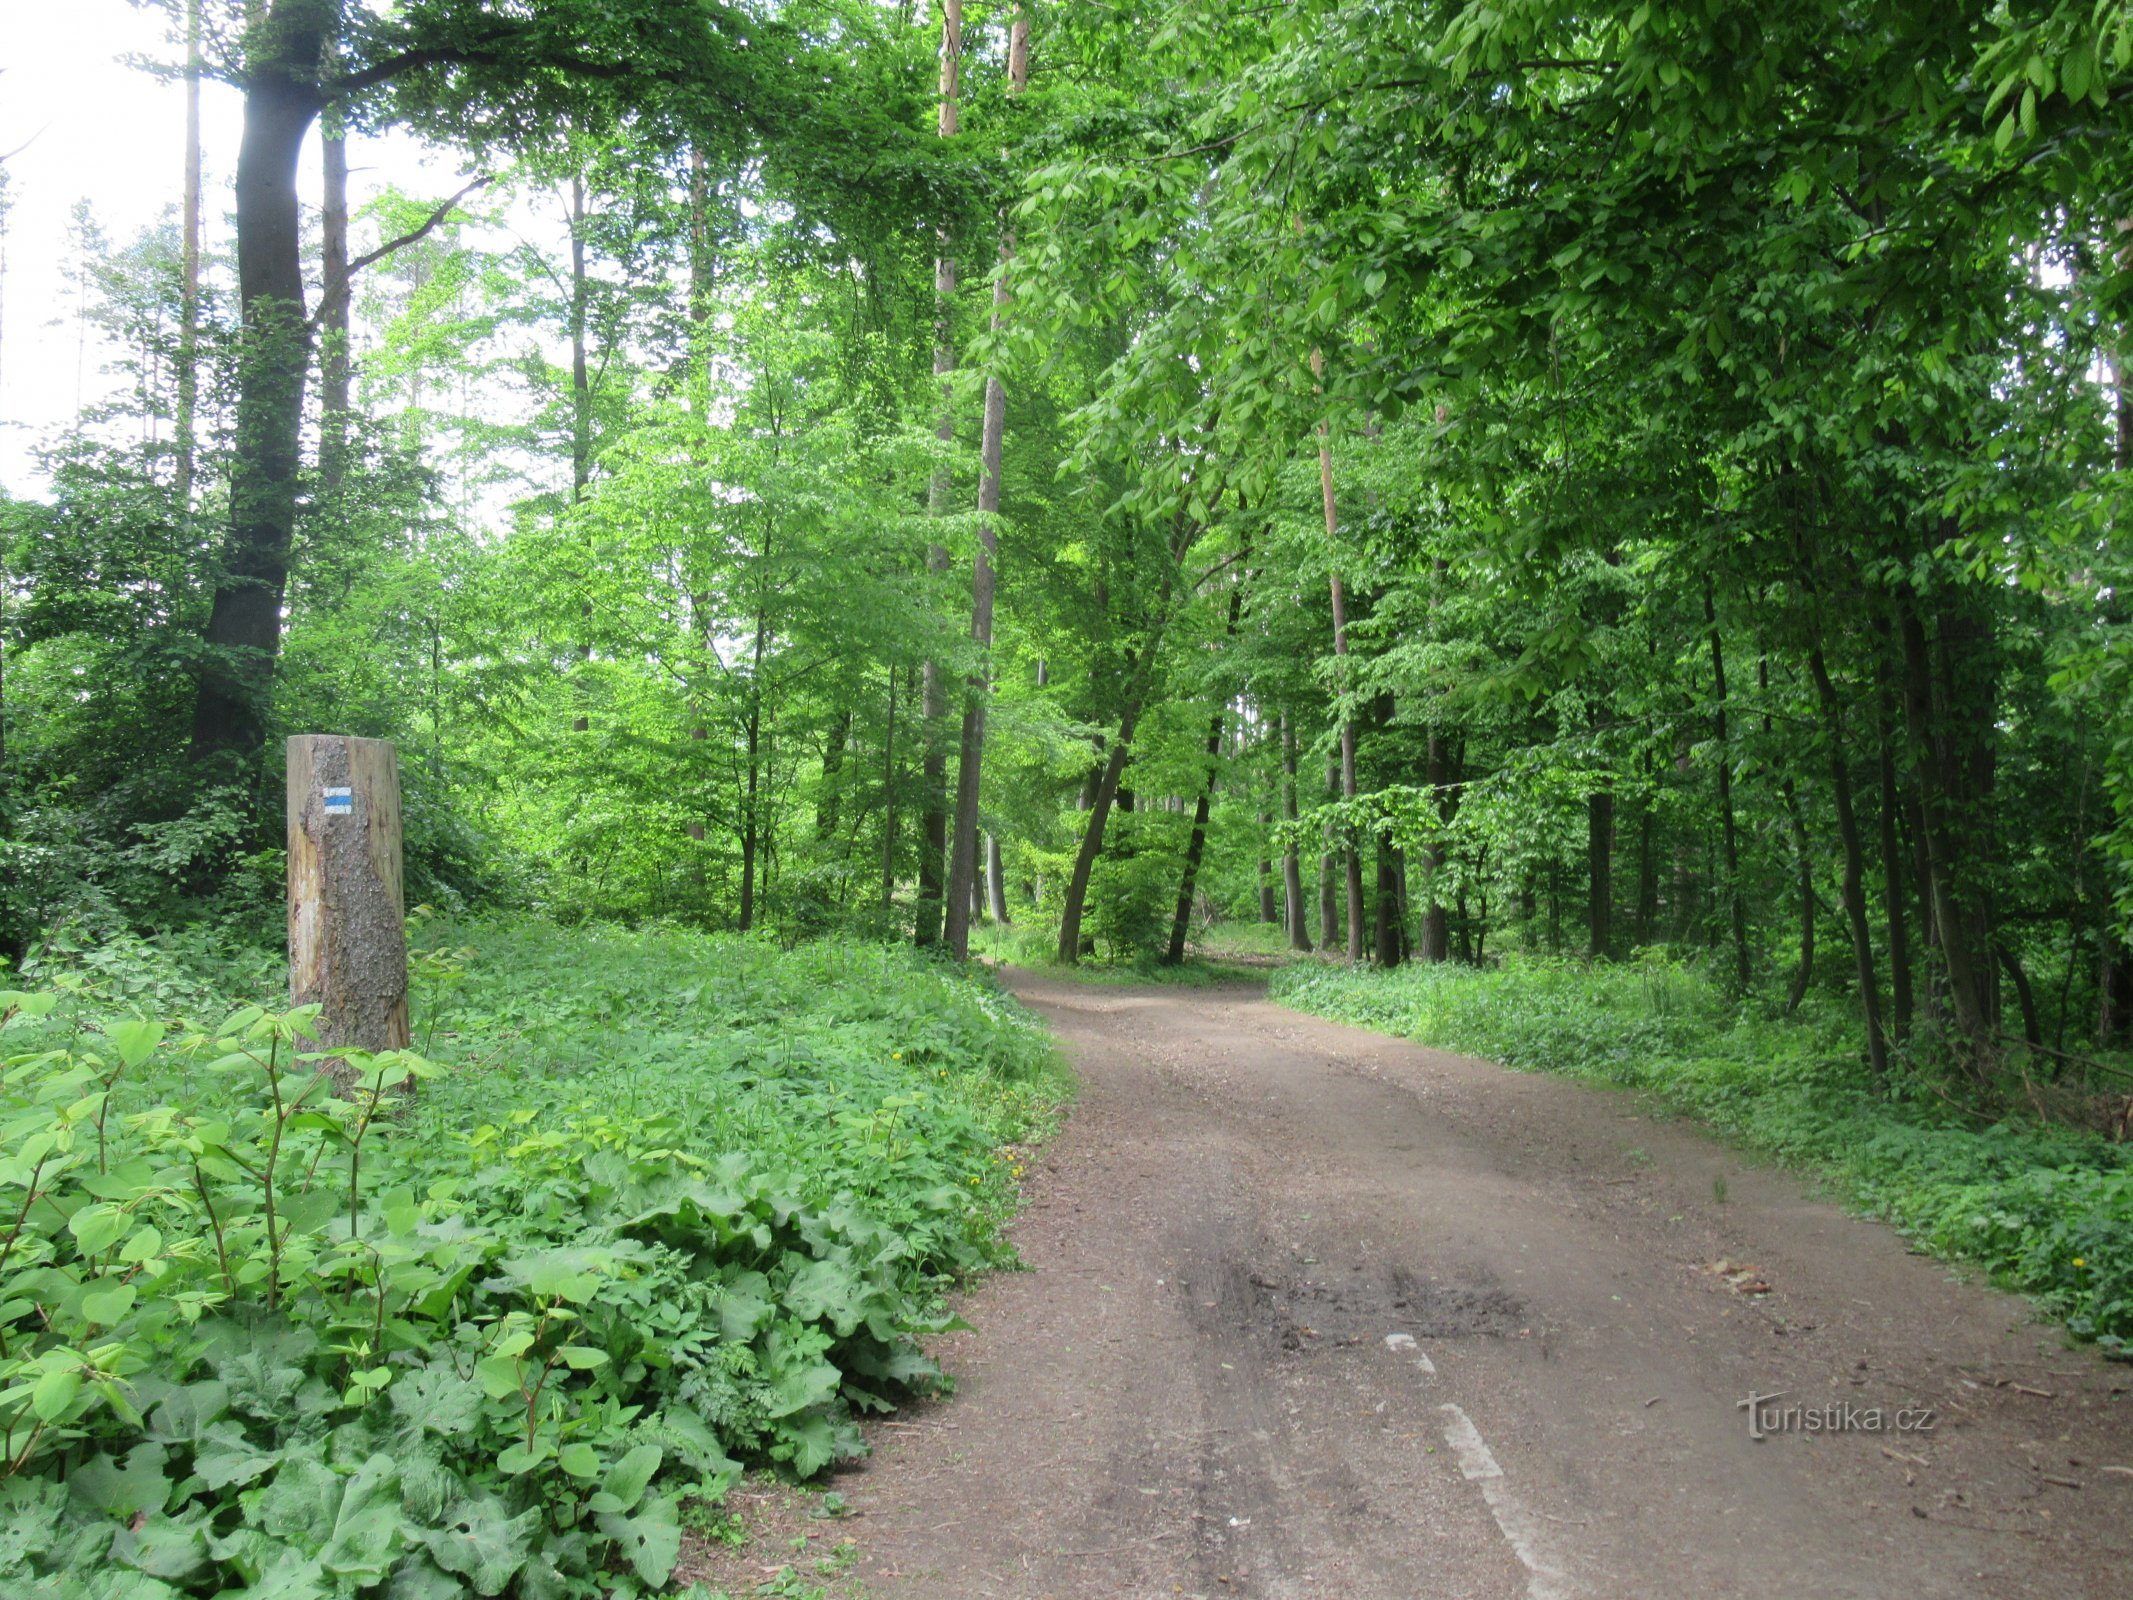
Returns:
(1312, 1312)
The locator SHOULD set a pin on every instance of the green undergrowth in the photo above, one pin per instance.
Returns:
(2046, 1211)
(660, 1205)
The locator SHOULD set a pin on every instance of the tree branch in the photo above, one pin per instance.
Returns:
(328, 292)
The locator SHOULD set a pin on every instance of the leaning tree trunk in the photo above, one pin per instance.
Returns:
(1181, 923)
(963, 842)
(243, 635)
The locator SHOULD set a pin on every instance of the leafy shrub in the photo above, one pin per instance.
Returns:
(2046, 1211)
(662, 1201)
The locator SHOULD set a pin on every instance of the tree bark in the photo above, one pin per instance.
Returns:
(963, 855)
(888, 802)
(1352, 856)
(347, 944)
(1854, 863)
(243, 636)
(1736, 906)
(933, 694)
(1942, 790)
(995, 880)
(1892, 867)
(1291, 862)
(188, 407)
(1599, 861)
(1328, 917)
(1436, 946)
(1181, 922)
(335, 357)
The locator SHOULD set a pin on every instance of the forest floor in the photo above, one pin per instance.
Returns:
(1311, 1311)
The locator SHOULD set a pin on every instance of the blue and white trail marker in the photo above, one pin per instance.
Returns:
(340, 802)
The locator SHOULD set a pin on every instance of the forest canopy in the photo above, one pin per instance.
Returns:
(1438, 481)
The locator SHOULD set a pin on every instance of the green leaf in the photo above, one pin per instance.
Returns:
(226, 1457)
(627, 1478)
(97, 1228)
(650, 1541)
(579, 1460)
(108, 1306)
(55, 1392)
(367, 1529)
(482, 1543)
(134, 1041)
(582, 1358)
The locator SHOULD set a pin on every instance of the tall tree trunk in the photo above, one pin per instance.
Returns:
(1600, 872)
(963, 852)
(1188, 882)
(996, 880)
(1737, 906)
(1436, 946)
(1647, 912)
(933, 693)
(243, 636)
(187, 420)
(829, 803)
(888, 803)
(1352, 856)
(335, 357)
(1197, 844)
(1391, 934)
(1943, 790)
(1892, 866)
(1329, 930)
(580, 402)
(750, 835)
(1840, 773)
(1291, 862)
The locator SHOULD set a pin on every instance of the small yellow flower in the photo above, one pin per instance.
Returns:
(2079, 1262)
(896, 1055)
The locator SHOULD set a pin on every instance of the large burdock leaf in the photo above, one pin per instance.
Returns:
(366, 1531)
(651, 1540)
(482, 1543)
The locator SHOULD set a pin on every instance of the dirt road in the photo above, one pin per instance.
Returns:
(1312, 1312)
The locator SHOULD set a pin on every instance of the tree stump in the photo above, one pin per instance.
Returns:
(347, 944)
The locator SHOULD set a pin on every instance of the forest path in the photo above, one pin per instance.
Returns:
(1316, 1312)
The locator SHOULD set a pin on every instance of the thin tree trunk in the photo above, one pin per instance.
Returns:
(1436, 945)
(963, 855)
(829, 802)
(580, 404)
(1892, 869)
(1329, 931)
(1353, 857)
(1599, 861)
(1181, 922)
(335, 357)
(1940, 789)
(996, 880)
(888, 803)
(1291, 863)
(1736, 905)
(188, 408)
(1854, 863)
(1390, 932)
(933, 694)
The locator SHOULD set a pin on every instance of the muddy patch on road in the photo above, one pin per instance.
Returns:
(1303, 1314)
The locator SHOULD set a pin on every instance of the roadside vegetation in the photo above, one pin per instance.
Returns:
(644, 1207)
